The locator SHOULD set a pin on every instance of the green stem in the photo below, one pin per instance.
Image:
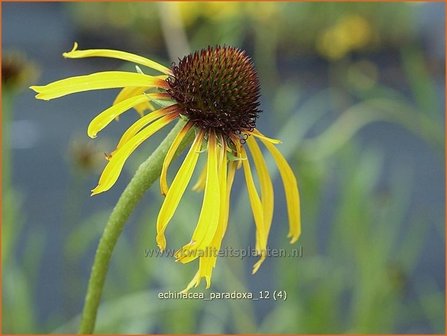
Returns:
(145, 175)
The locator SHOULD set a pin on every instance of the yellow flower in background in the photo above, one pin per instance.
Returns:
(216, 91)
(215, 11)
(351, 32)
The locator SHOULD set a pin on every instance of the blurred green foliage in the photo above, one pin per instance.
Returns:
(362, 243)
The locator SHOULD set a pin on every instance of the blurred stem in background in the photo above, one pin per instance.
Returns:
(421, 84)
(364, 113)
(173, 31)
(146, 174)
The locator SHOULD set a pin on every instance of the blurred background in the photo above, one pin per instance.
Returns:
(354, 90)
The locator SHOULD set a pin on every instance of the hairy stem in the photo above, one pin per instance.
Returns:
(145, 175)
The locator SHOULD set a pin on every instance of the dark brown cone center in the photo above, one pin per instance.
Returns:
(217, 88)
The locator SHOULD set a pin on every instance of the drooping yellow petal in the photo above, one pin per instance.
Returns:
(267, 195)
(209, 214)
(177, 189)
(108, 115)
(193, 283)
(96, 81)
(169, 156)
(291, 191)
(141, 108)
(226, 182)
(206, 268)
(238, 146)
(258, 212)
(223, 223)
(259, 135)
(129, 92)
(258, 264)
(144, 121)
(125, 56)
(208, 262)
(115, 165)
(230, 178)
(200, 184)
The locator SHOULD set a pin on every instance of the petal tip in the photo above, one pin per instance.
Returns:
(258, 264)
(42, 97)
(91, 134)
(67, 54)
(38, 89)
(163, 190)
(294, 239)
(97, 190)
(161, 242)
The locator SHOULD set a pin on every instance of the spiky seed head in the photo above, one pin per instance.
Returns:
(217, 88)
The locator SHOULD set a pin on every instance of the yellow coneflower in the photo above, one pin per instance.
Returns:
(216, 90)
